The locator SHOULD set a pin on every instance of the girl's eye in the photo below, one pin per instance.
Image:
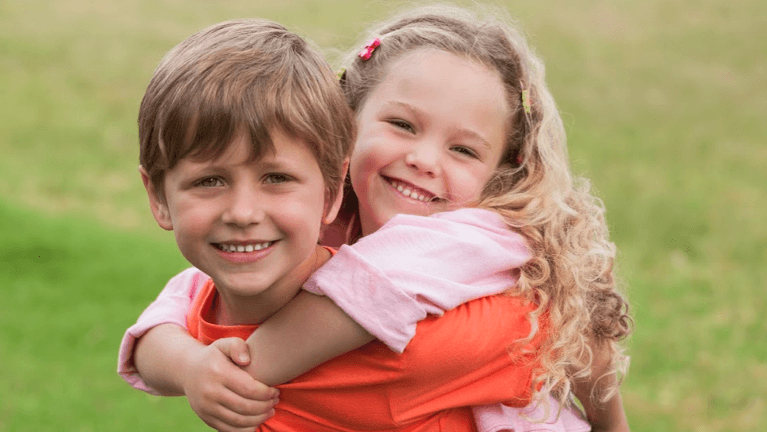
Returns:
(277, 178)
(210, 182)
(402, 124)
(466, 151)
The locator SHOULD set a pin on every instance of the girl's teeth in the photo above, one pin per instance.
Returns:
(404, 190)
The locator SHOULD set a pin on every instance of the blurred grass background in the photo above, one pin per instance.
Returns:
(664, 104)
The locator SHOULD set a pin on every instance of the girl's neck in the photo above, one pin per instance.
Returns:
(232, 309)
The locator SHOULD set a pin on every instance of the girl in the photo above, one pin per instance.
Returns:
(451, 114)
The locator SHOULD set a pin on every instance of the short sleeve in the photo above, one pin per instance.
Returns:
(416, 266)
(170, 307)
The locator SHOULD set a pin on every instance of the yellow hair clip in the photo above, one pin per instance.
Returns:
(526, 101)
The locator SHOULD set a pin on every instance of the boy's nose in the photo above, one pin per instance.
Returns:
(244, 209)
(425, 158)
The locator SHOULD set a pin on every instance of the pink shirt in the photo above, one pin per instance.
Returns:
(389, 281)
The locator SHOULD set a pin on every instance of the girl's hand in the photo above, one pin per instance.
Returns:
(224, 396)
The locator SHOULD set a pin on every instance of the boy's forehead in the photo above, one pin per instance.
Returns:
(278, 146)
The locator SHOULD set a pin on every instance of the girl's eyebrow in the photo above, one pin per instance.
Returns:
(472, 136)
(458, 132)
(407, 107)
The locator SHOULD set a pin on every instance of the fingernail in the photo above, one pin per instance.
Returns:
(243, 357)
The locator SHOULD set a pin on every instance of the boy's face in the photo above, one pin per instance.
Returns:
(251, 226)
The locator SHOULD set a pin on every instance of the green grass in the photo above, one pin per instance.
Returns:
(663, 102)
(69, 290)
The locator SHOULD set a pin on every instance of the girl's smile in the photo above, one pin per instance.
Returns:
(411, 191)
(431, 135)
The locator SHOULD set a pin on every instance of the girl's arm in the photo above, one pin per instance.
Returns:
(383, 285)
(224, 396)
(170, 308)
(305, 333)
(159, 356)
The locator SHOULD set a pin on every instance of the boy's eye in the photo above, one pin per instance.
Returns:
(402, 124)
(465, 151)
(210, 182)
(276, 178)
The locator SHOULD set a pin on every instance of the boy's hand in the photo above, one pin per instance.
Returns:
(224, 396)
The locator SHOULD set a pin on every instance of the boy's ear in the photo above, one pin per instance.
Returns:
(331, 208)
(157, 203)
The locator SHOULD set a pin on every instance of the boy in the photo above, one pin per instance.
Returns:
(244, 137)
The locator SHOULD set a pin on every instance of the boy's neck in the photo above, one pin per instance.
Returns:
(231, 309)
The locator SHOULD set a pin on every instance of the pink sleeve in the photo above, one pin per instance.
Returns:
(414, 266)
(500, 418)
(170, 307)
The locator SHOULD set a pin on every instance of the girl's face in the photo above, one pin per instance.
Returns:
(431, 135)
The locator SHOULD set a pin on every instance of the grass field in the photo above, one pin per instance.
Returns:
(664, 105)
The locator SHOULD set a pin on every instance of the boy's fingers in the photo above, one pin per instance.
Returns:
(236, 349)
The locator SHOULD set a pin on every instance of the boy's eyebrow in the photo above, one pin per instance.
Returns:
(459, 132)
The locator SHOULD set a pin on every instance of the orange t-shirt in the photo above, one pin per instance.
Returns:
(454, 362)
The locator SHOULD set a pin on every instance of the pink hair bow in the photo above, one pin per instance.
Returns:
(369, 48)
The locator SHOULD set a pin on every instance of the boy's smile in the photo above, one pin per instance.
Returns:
(252, 226)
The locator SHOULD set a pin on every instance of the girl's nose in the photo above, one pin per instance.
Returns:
(244, 208)
(425, 158)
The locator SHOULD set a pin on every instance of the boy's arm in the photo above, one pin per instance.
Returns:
(603, 416)
(383, 285)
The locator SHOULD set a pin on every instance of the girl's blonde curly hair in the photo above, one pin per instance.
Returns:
(570, 276)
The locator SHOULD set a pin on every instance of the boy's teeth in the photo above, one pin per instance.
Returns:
(244, 248)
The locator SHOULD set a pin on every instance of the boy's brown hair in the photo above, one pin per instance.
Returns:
(243, 76)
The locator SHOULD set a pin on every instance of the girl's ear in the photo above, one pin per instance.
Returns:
(157, 203)
(331, 208)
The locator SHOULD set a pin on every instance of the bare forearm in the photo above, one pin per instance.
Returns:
(158, 355)
(306, 332)
(608, 416)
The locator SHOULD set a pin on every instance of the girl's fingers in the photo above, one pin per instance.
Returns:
(245, 386)
(248, 406)
(234, 348)
(226, 411)
(232, 422)
(236, 412)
